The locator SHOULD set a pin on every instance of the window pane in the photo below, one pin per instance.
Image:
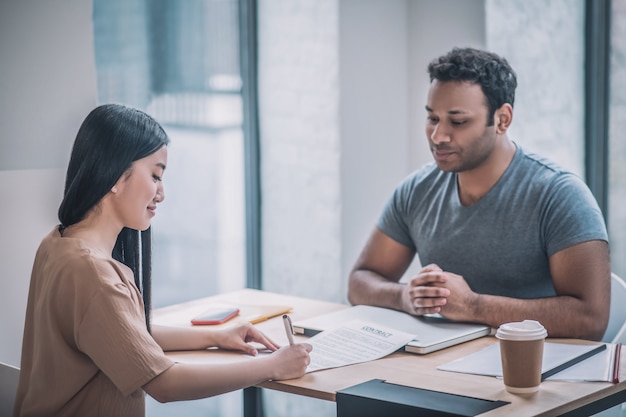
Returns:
(198, 231)
(179, 62)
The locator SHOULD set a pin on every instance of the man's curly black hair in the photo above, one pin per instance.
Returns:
(492, 72)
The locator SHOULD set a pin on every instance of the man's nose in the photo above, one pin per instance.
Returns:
(439, 134)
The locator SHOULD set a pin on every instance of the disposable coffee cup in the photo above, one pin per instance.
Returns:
(521, 352)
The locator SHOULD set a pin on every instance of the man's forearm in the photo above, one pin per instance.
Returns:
(370, 288)
(562, 316)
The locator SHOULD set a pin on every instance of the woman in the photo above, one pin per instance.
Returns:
(88, 348)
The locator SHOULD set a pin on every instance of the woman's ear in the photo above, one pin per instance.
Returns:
(503, 118)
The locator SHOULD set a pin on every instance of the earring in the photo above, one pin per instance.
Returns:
(114, 189)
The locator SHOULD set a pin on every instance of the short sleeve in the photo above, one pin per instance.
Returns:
(113, 334)
(571, 215)
(394, 219)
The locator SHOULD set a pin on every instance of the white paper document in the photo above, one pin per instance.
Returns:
(354, 342)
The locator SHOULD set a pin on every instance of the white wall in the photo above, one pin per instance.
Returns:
(545, 46)
(385, 47)
(30, 198)
(435, 27)
(374, 118)
(48, 85)
(299, 135)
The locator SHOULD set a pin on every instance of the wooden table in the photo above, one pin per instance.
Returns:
(554, 398)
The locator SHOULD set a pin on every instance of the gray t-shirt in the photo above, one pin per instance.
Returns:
(500, 244)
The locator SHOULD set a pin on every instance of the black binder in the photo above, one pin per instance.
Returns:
(379, 398)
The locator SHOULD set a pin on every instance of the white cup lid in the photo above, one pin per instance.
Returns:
(521, 330)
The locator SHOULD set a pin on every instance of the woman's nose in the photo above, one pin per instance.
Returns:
(160, 195)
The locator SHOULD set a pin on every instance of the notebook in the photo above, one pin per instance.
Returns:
(561, 361)
(432, 333)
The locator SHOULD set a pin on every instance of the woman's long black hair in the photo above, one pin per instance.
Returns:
(109, 140)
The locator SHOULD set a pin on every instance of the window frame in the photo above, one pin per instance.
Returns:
(252, 175)
(597, 105)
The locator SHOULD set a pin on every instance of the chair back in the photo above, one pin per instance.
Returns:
(616, 330)
(9, 377)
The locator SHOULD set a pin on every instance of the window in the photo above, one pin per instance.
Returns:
(179, 62)
(617, 144)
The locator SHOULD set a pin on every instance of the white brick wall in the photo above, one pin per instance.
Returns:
(544, 42)
(299, 129)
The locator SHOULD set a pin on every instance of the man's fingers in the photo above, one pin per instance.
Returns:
(429, 292)
(431, 268)
(427, 278)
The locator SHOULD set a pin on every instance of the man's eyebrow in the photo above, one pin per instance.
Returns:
(428, 109)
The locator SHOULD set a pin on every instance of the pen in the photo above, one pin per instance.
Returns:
(288, 328)
(616, 363)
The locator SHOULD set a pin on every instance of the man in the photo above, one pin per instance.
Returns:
(505, 235)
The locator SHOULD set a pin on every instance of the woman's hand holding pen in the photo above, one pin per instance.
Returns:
(286, 362)
(290, 361)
